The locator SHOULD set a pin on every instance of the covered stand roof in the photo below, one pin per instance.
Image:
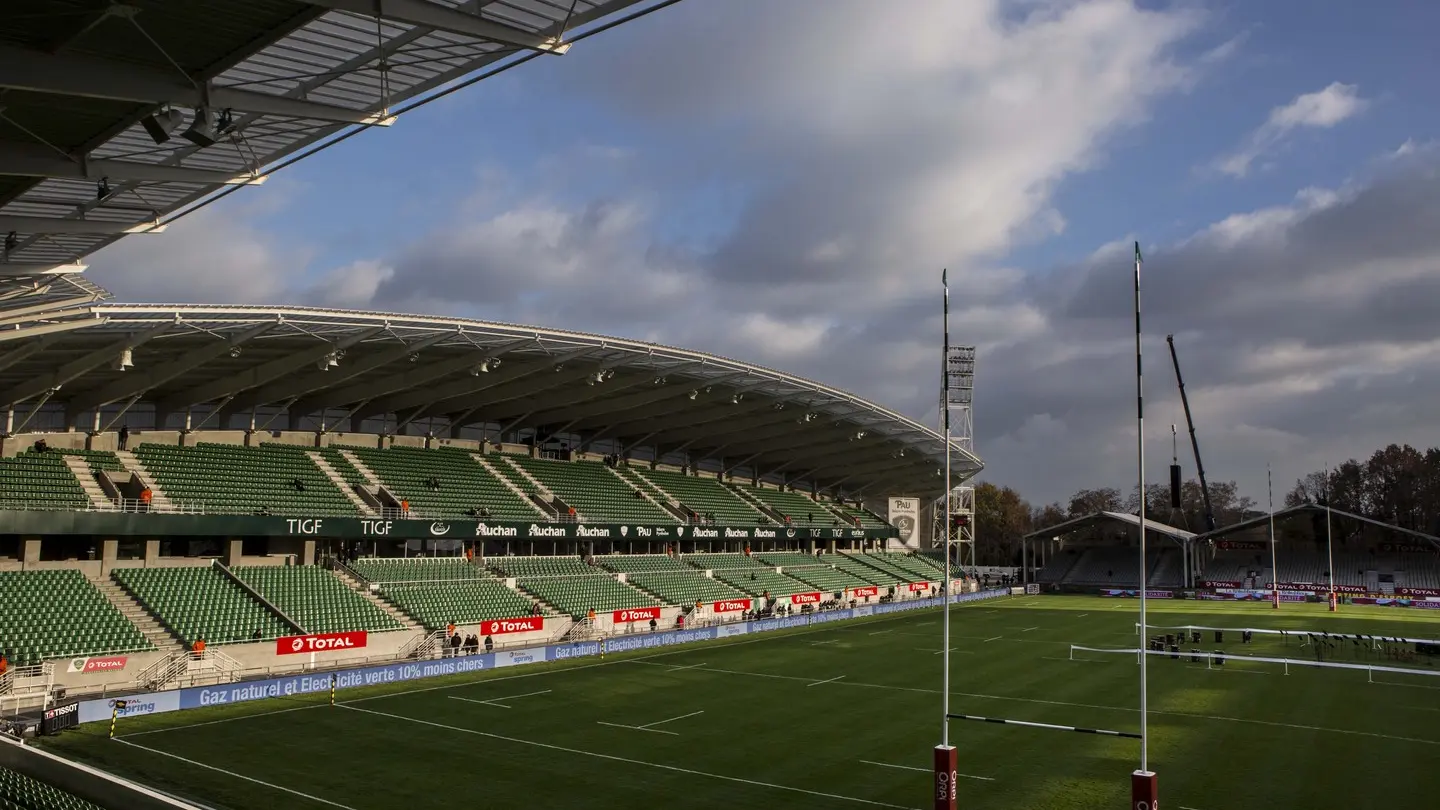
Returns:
(1096, 518)
(1291, 511)
(224, 364)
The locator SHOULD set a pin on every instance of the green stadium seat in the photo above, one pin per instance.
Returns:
(20, 792)
(55, 614)
(230, 479)
(593, 490)
(316, 598)
(465, 485)
(196, 603)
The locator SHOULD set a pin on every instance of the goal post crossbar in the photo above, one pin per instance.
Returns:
(1295, 633)
(1288, 662)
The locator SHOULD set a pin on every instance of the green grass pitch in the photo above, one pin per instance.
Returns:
(837, 716)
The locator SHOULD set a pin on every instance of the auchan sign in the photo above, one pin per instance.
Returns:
(522, 625)
(643, 614)
(321, 642)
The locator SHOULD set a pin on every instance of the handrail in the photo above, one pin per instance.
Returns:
(139, 506)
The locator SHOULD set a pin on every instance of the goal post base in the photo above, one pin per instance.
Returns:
(947, 763)
(1144, 791)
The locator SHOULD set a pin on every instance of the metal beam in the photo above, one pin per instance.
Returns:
(24, 160)
(480, 382)
(520, 391)
(85, 77)
(50, 328)
(16, 314)
(445, 18)
(23, 353)
(40, 268)
(300, 386)
(79, 366)
(82, 226)
(141, 382)
(672, 388)
(257, 376)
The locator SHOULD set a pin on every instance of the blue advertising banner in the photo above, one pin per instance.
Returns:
(309, 683)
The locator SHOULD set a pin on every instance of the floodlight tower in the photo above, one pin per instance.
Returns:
(953, 514)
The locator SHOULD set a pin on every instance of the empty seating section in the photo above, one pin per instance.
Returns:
(801, 510)
(789, 558)
(315, 598)
(229, 479)
(437, 605)
(705, 496)
(98, 459)
(919, 570)
(1169, 573)
(577, 595)
(895, 573)
(49, 614)
(1058, 565)
(858, 569)
(825, 578)
(198, 603)
(420, 569)
(759, 581)
(866, 518)
(20, 792)
(39, 481)
(594, 491)
(342, 465)
(464, 484)
(543, 566)
(722, 562)
(637, 563)
(1109, 567)
(934, 565)
(684, 587)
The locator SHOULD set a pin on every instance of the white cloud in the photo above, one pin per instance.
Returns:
(1321, 109)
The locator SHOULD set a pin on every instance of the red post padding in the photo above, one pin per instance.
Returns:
(947, 762)
(1144, 791)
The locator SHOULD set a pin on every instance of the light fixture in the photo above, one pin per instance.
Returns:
(602, 375)
(201, 132)
(125, 360)
(329, 361)
(860, 434)
(234, 351)
(660, 381)
(102, 189)
(811, 417)
(735, 399)
(694, 392)
(414, 357)
(160, 126)
(779, 406)
(488, 364)
(559, 366)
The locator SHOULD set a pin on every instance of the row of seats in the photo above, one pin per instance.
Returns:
(722, 562)
(578, 595)
(20, 792)
(228, 479)
(802, 510)
(706, 496)
(201, 603)
(759, 581)
(684, 587)
(316, 599)
(462, 602)
(642, 563)
(415, 569)
(50, 614)
(826, 578)
(465, 486)
(593, 490)
(34, 480)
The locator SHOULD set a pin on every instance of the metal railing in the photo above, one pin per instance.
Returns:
(138, 506)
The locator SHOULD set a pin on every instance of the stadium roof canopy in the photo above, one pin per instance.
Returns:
(1097, 518)
(1315, 508)
(117, 115)
(299, 368)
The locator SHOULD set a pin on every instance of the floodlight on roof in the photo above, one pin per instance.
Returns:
(779, 406)
(125, 360)
(414, 357)
(694, 392)
(201, 132)
(736, 397)
(160, 126)
(660, 380)
(329, 361)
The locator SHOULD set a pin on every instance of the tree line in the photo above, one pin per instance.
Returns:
(1397, 485)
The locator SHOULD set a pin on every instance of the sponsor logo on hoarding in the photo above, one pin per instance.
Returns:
(805, 598)
(636, 614)
(542, 531)
(590, 531)
(624, 530)
(919, 586)
(108, 663)
(439, 529)
(1418, 591)
(704, 534)
(486, 530)
(321, 642)
(680, 531)
(522, 625)
(868, 590)
(62, 711)
(731, 605)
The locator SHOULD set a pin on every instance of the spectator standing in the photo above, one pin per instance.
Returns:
(124, 437)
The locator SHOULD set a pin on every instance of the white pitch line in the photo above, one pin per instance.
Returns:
(955, 650)
(996, 638)
(1077, 660)
(827, 641)
(613, 758)
(832, 680)
(234, 774)
(1082, 615)
(1028, 629)
(881, 632)
(671, 720)
(496, 701)
(637, 728)
(1043, 702)
(925, 770)
(224, 720)
(688, 666)
(1405, 685)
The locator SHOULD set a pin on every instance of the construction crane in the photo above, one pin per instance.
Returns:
(1194, 442)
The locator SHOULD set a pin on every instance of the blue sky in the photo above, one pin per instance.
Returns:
(782, 182)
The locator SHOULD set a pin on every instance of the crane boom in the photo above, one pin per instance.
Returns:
(1194, 442)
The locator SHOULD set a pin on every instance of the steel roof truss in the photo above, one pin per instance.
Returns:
(79, 366)
(444, 18)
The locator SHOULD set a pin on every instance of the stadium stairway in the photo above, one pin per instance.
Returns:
(664, 504)
(159, 501)
(758, 505)
(354, 581)
(135, 613)
(510, 485)
(370, 477)
(341, 484)
(86, 477)
(529, 485)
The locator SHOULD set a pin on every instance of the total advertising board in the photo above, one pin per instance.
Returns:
(524, 624)
(225, 694)
(321, 642)
(643, 614)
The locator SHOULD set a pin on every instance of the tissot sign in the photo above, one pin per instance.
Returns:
(125, 524)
